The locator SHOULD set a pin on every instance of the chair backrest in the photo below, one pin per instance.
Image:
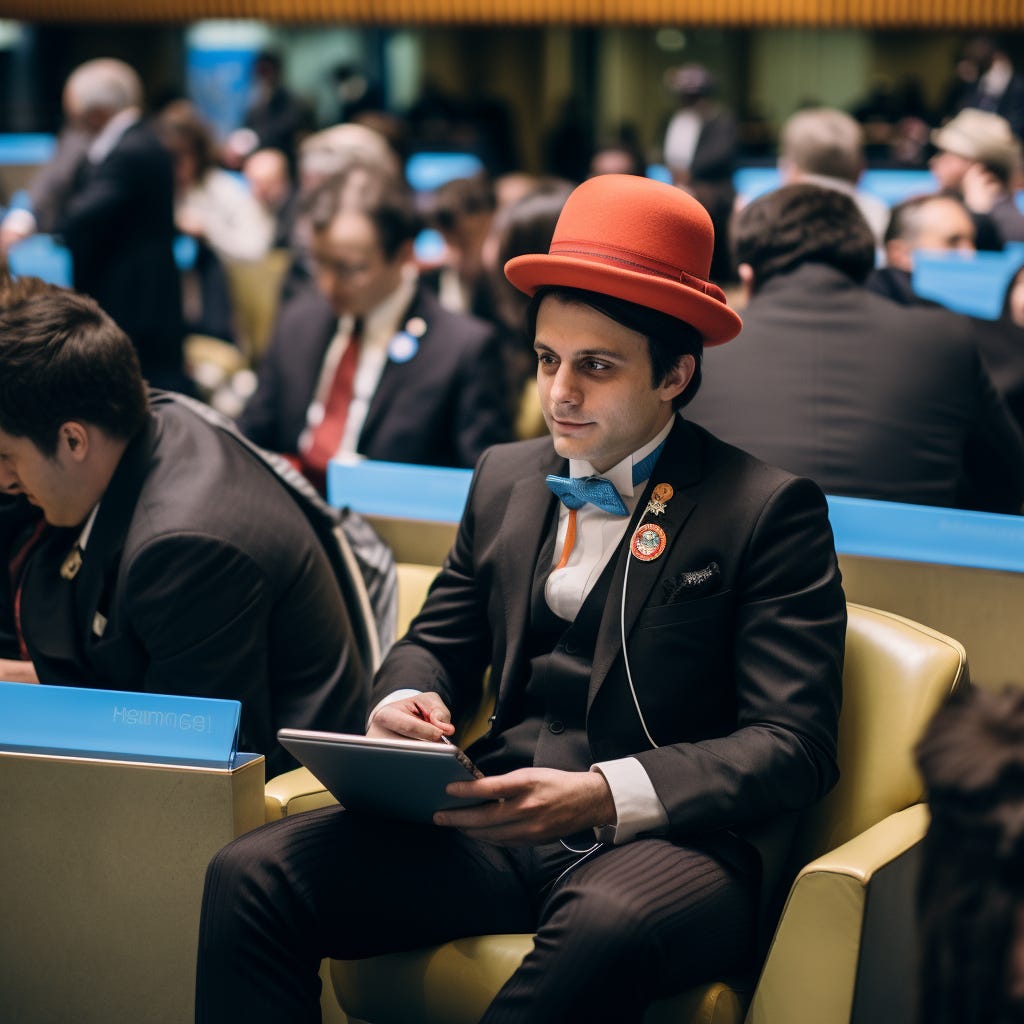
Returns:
(897, 673)
(255, 288)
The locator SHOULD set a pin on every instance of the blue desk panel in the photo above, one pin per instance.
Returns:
(26, 148)
(971, 283)
(118, 725)
(875, 529)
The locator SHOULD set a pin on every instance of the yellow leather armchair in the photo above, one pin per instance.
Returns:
(846, 933)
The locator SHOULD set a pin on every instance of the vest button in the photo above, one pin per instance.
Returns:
(556, 727)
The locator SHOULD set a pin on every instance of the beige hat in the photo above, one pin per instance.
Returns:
(979, 135)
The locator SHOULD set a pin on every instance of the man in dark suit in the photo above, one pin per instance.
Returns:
(174, 560)
(868, 398)
(117, 219)
(368, 362)
(666, 646)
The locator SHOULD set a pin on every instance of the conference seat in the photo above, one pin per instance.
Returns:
(844, 949)
(255, 288)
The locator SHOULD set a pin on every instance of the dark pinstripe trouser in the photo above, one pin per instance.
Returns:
(618, 930)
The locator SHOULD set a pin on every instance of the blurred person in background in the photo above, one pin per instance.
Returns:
(971, 888)
(367, 362)
(868, 398)
(275, 119)
(700, 148)
(987, 80)
(823, 146)
(271, 185)
(463, 210)
(217, 212)
(978, 158)
(117, 217)
(933, 223)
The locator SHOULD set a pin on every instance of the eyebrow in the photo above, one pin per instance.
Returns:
(605, 353)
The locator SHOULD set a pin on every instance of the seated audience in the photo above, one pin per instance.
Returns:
(971, 892)
(270, 182)
(174, 559)
(368, 362)
(868, 398)
(1002, 347)
(638, 829)
(978, 158)
(934, 223)
(462, 210)
(825, 147)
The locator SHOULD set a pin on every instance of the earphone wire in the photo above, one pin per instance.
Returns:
(625, 651)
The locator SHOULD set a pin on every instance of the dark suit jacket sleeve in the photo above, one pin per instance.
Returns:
(448, 646)
(92, 214)
(994, 456)
(789, 630)
(201, 610)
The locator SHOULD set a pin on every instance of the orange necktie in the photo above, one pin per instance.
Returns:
(325, 438)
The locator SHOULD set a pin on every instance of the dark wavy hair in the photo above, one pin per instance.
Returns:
(972, 882)
(61, 359)
(799, 224)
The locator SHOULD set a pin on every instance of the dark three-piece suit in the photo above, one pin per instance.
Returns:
(735, 639)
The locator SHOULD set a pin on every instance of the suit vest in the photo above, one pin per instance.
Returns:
(549, 707)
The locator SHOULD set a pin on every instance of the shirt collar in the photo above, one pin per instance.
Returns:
(83, 537)
(110, 135)
(621, 474)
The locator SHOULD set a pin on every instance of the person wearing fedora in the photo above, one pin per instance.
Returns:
(664, 623)
(978, 158)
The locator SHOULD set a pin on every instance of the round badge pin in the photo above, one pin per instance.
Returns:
(648, 542)
(402, 347)
(416, 326)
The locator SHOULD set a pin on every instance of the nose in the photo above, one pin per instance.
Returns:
(564, 386)
(9, 479)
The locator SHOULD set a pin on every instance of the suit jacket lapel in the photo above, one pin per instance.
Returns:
(679, 466)
(521, 535)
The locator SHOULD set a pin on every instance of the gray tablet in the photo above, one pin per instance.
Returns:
(392, 778)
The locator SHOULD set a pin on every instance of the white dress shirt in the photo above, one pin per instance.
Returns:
(380, 327)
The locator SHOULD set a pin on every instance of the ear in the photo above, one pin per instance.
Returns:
(678, 377)
(899, 254)
(73, 439)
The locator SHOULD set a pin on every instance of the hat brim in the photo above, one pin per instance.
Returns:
(715, 321)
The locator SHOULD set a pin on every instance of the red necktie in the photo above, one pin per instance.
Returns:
(326, 436)
(16, 568)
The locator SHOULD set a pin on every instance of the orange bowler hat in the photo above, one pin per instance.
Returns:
(638, 240)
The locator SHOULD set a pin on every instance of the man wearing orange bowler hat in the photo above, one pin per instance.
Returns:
(664, 623)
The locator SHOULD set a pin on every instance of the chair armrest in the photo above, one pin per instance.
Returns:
(293, 792)
(849, 920)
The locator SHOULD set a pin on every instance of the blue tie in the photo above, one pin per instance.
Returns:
(575, 492)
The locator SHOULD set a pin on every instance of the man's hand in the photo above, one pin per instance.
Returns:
(423, 717)
(12, 671)
(531, 805)
(13, 231)
(981, 189)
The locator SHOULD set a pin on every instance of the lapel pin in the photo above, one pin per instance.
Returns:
(660, 497)
(416, 326)
(648, 542)
(402, 347)
(71, 564)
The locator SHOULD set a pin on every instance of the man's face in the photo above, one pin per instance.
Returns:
(351, 269)
(594, 379)
(945, 225)
(949, 169)
(51, 483)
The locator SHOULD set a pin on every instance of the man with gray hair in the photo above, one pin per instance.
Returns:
(114, 209)
(825, 147)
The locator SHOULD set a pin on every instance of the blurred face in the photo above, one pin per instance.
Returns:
(52, 484)
(351, 269)
(1017, 300)
(594, 380)
(949, 169)
(267, 174)
(947, 226)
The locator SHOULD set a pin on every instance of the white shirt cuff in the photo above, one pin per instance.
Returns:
(637, 807)
(390, 699)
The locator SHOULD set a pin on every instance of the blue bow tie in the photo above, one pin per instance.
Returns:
(575, 492)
